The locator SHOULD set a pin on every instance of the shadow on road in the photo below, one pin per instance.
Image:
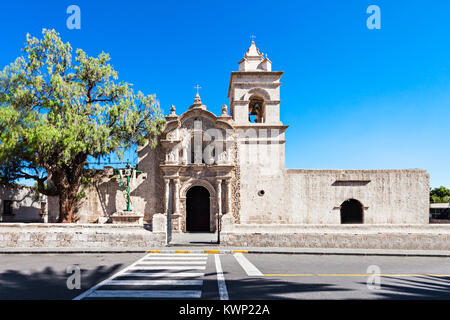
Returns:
(426, 287)
(49, 283)
(273, 289)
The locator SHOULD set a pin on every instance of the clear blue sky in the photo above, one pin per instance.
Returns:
(353, 97)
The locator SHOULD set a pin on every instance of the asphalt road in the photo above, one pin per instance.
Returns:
(241, 276)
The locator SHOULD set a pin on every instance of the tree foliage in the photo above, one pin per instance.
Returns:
(440, 195)
(55, 111)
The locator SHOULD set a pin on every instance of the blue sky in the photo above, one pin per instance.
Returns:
(354, 98)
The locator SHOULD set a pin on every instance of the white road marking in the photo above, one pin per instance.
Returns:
(223, 293)
(92, 289)
(176, 258)
(163, 274)
(168, 268)
(248, 267)
(184, 294)
(148, 262)
(177, 255)
(172, 262)
(154, 283)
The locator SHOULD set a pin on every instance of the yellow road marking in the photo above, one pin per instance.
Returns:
(351, 275)
(182, 251)
(153, 251)
(212, 251)
(240, 251)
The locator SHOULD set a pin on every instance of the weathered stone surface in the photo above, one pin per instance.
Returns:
(159, 223)
(404, 237)
(15, 235)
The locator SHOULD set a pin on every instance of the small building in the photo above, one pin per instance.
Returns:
(21, 204)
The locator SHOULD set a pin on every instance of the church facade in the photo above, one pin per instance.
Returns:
(230, 168)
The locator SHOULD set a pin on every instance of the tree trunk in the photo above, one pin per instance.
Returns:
(67, 204)
(67, 180)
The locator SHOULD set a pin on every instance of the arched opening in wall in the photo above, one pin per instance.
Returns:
(352, 212)
(197, 209)
(256, 109)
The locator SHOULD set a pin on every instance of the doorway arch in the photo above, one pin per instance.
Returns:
(197, 209)
(352, 212)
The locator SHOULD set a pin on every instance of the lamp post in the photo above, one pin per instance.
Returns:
(127, 173)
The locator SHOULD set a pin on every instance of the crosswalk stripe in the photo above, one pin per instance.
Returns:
(176, 255)
(185, 294)
(176, 258)
(168, 268)
(163, 274)
(152, 266)
(172, 262)
(91, 290)
(154, 283)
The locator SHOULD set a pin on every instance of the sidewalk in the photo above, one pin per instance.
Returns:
(231, 250)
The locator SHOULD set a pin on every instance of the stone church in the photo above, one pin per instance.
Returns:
(231, 166)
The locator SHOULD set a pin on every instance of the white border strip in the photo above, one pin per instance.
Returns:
(163, 274)
(156, 258)
(154, 283)
(223, 293)
(165, 267)
(185, 263)
(183, 294)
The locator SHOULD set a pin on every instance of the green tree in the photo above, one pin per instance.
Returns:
(440, 195)
(55, 112)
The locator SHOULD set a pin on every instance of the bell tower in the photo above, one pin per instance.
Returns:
(254, 93)
(254, 90)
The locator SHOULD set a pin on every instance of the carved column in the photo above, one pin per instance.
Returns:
(198, 142)
(176, 196)
(219, 196)
(228, 196)
(166, 195)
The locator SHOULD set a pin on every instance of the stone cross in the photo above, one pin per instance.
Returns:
(197, 87)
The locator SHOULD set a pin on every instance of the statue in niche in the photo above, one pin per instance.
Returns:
(223, 157)
(171, 156)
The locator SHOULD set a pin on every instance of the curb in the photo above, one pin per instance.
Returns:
(323, 251)
(199, 251)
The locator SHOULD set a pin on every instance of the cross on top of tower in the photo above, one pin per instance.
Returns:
(253, 37)
(197, 87)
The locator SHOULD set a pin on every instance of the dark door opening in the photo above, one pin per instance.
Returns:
(197, 209)
(351, 212)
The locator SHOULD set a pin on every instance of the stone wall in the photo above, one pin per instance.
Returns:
(103, 196)
(405, 237)
(315, 196)
(17, 235)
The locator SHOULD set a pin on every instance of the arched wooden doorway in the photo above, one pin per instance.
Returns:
(352, 212)
(197, 209)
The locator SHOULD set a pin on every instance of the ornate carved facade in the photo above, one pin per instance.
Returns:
(199, 150)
